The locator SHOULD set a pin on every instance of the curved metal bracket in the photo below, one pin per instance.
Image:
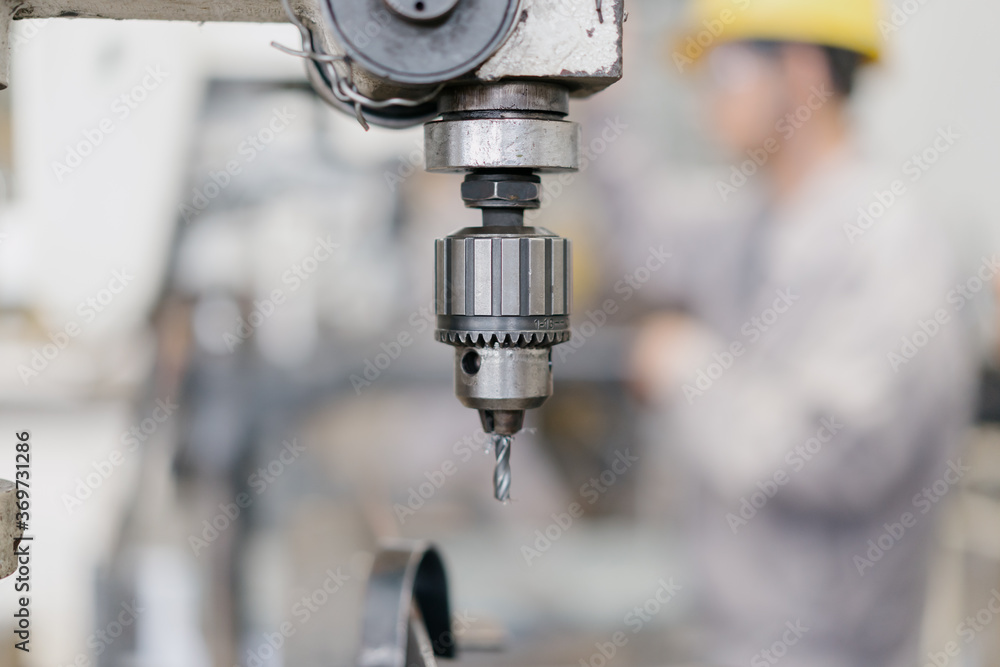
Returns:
(407, 618)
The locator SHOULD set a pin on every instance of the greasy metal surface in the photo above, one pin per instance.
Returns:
(502, 143)
(571, 41)
(507, 96)
(508, 378)
(399, 50)
(253, 11)
(502, 422)
(404, 576)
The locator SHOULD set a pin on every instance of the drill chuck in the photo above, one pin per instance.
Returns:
(506, 286)
(502, 291)
(502, 300)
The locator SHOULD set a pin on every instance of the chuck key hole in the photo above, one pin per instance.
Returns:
(471, 362)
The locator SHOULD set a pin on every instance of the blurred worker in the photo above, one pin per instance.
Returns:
(818, 381)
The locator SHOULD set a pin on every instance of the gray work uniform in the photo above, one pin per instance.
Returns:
(811, 446)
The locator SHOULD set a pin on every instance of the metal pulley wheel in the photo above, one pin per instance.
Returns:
(420, 42)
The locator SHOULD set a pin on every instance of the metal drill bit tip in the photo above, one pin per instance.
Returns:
(501, 475)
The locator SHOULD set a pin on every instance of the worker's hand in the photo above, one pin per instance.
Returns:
(661, 353)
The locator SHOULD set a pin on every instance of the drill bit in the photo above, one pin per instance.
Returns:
(501, 475)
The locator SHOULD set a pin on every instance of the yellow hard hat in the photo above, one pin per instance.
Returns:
(846, 24)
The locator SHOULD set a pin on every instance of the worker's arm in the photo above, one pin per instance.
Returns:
(816, 398)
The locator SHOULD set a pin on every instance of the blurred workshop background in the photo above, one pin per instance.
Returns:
(237, 281)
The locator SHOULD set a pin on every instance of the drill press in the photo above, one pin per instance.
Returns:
(491, 80)
(503, 289)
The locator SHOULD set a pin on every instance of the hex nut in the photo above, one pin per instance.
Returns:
(509, 192)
